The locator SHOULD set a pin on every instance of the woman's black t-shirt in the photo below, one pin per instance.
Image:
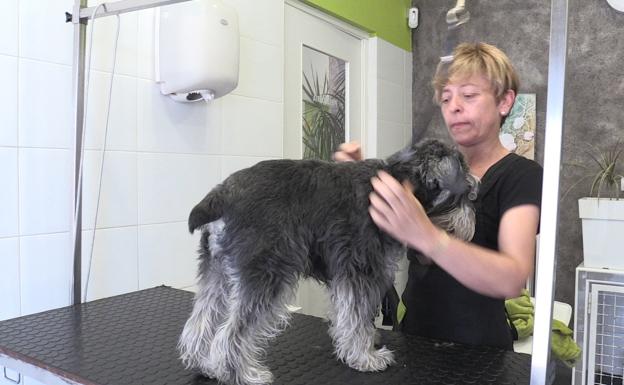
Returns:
(440, 307)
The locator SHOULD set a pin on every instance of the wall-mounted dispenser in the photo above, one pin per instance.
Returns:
(197, 50)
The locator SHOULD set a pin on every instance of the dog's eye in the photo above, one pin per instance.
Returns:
(432, 183)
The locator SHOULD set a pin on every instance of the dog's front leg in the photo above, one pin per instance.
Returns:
(353, 308)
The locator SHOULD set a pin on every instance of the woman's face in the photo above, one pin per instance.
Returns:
(471, 112)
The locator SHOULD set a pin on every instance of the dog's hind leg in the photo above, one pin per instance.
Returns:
(256, 313)
(354, 300)
(209, 304)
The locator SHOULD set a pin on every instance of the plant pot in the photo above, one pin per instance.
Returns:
(603, 232)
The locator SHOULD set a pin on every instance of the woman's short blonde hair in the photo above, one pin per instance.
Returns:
(477, 58)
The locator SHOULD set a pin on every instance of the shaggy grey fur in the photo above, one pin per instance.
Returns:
(268, 225)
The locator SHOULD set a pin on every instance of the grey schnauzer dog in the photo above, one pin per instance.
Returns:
(267, 226)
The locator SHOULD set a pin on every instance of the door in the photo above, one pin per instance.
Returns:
(323, 100)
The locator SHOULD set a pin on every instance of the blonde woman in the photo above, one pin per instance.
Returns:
(460, 297)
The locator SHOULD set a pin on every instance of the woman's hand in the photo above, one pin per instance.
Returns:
(499, 274)
(395, 209)
(348, 152)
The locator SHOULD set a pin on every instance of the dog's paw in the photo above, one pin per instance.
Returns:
(208, 373)
(253, 376)
(373, 361)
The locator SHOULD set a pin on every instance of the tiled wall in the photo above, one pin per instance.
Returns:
(162, 157)
(394, 98)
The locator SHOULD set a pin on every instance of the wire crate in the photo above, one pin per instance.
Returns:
(599, 326)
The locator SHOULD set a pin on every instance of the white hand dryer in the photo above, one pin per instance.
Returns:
(197, 50)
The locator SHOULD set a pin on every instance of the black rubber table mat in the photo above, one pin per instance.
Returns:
(130, 340)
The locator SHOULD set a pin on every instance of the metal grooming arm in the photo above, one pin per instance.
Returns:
(80, 17)
(550, 191)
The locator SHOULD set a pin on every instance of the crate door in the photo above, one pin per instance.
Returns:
(606, 335)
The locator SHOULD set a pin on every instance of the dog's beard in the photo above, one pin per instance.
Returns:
(458, 220)
(452, 208)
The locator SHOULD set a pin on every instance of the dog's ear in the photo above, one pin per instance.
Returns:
(198, 217)
(418, 164)
(209, 209)
(406, 164)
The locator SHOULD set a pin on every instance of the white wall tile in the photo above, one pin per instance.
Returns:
(392, 138)
(390, 62)
(45, 104)
(43, 32)
(170, 185)
(252, 127)
(8, 27)
(231, 164)
(181, 147)
(8, 193)
(118, 197)
(145, 44)
(122, 132)
(45, 191)
(114, 264)
(167, 255)
(407, 99)
(9, 284)
(8, 98)
(390, 101)
(261, 20)
(104, 43)
(261, 74)
(407, 133)
(164, 125)
(45, 272)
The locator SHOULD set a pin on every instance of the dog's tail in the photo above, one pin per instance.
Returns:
(209, 209)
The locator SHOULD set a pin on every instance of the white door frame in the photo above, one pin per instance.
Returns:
(368, 86)
(310, 295)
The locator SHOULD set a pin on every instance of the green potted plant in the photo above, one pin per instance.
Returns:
(602, 212)
(323, 115)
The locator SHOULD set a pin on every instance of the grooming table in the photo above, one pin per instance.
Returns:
(131, 340)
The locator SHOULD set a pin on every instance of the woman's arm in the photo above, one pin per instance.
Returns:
(499, 274)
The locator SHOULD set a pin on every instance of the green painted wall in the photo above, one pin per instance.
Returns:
(385, 18)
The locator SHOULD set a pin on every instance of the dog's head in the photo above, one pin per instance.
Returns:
(442, 183)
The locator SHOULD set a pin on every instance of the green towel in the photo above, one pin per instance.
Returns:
(521, 310)
(562, 345)
(401, 309)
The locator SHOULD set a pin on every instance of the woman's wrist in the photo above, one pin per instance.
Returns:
(441, 244)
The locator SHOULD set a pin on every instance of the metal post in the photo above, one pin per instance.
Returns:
(80, 31)
(550, 192)
(80, 17)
